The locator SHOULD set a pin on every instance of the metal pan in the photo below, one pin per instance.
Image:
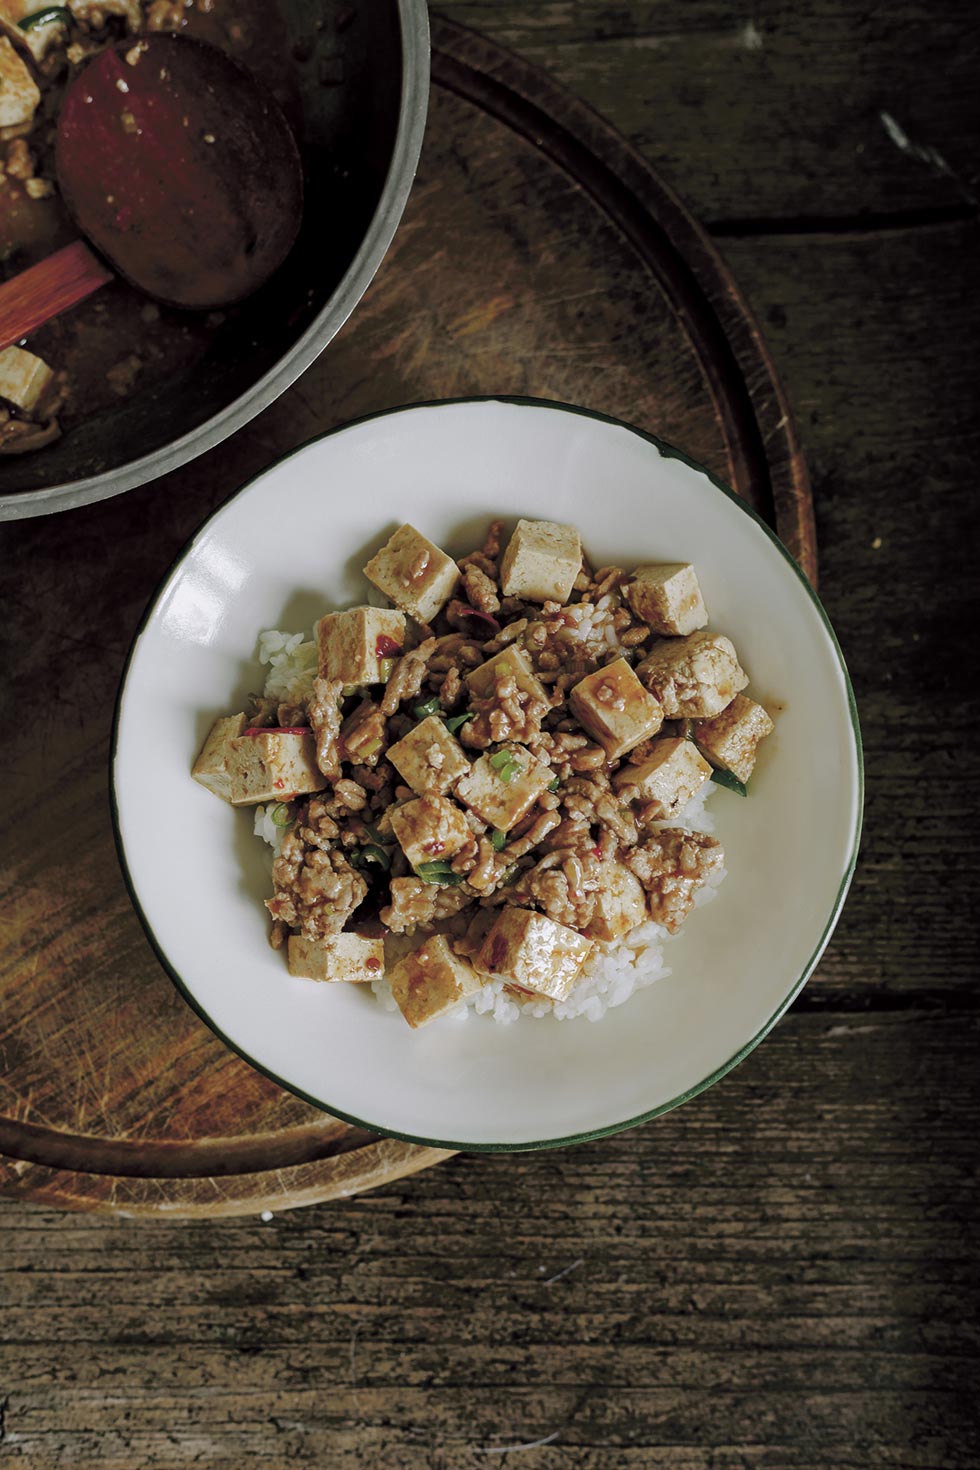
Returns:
(364, 90)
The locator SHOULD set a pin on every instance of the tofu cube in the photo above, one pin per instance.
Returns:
(694, 677)
(211, 766)
(732, 739)
(350, 958)
(503, 785)
(273, 765)
(413, 573)
(665, 783)
(615, 709)
(23, 377)
(511, 663)
(667, 598)
(19, 94)
(431, 980)
(532, 951)
(621, 904)
(353, 645)
(541, 562)
(428, 758)
(430, 829)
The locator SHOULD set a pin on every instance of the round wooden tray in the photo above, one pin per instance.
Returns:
(538, 256)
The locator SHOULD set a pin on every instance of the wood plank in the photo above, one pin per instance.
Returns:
(779, 1274)
(762, 111)
(887, 416)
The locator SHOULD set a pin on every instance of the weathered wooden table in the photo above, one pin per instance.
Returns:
(783, 1273)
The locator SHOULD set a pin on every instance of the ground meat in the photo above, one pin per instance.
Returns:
(325, 721)
(486, 558)
(564, 885)
(20, 160)
(363, 735)
(412, 903)
(122, 377)
(672, 865)
(481, 592)
(407, 676)
(315, 890)
(509, 713)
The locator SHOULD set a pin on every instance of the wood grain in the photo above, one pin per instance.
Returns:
(773, 1276)
(605, 293)
(771, 112)
(45, 290)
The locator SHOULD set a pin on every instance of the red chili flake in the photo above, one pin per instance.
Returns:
(498, 951)
(372, 964)
(435, 844)
(597, 852)
(280, 784)
(386, 647)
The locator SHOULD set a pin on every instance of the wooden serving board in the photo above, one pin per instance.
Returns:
(538, 256)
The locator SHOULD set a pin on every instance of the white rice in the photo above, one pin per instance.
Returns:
(292, 666)
(614, 971)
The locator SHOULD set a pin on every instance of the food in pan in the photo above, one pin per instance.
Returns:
(490, 796)
(118, 343)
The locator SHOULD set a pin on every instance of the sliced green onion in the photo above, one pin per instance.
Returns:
(42, 17)
(372, 748)
(510, 876)
(349, 690)
(427, 708)
(554, 784)
(456, 722)
(385, 666)
(439, 872)
(506, 766)
(370, 854)
(498, 840)
(282, 815)
(729, 780)
(376, 836)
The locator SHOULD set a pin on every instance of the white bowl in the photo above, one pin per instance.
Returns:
(292, 544)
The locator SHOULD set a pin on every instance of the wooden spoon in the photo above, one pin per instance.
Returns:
(180, 169)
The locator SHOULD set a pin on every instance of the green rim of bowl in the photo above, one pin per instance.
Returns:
(668, 451)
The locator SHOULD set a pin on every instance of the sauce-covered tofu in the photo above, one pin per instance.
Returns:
(413, 572)
(273, 765)
(665, 782)
(509, 663)
(732, 739)
(615, 709)
(211, 766)
(356, 646)
(430, 829)
(431, 980)
(428, 758)
(503, 785)
(19, 95)
(348, 958)
(533, 951)
(667, 598)
(620, 904)
(694, 677)
(23, 377)
(541, 562)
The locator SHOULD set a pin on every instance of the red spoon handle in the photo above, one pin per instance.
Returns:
(50, 287)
